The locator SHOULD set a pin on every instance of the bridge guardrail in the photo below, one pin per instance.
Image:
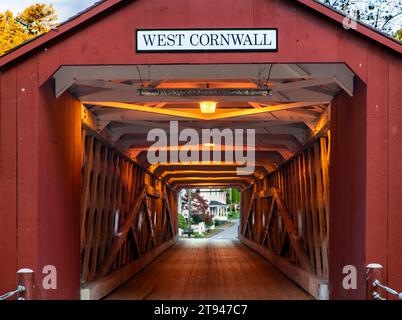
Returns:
(374, 278)
(25, 286)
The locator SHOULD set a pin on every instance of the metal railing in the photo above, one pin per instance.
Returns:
(377, 296)
(25, 286)
(13, 293)
(374, 278)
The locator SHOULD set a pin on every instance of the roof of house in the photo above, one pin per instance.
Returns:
(216, 203)
(105, 5)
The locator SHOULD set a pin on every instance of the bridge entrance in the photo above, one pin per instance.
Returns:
(273, 147)
(308, 113)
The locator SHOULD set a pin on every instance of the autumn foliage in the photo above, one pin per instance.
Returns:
(33, 21)
(199, 208)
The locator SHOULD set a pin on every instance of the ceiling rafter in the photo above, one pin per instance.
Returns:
(199, 173)
(198, 116)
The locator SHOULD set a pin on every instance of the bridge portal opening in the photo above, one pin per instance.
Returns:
(142, 125)
(209, 213)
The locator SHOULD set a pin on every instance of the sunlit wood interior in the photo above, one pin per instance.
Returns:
(297, 109)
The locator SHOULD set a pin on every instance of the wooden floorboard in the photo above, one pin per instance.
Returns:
(209, 269)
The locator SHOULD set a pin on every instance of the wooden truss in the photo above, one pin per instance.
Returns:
(131, 223)
(291, 231)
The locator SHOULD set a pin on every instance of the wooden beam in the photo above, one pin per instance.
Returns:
(152, 192)
(247, 220)
(292, 233)
(288, 223)
(264, 194)
(195, 114)
(174, 180)
(198, 174)
(266, 109)
(89, 119)
(209, 185)
(268, 222)
(302, 84)
(150, 222)
(298, 70)
(323, 122)
(170, 173)
(136, 107)
(120, 237)
(169, 213)
(106, 84)
(255, 105)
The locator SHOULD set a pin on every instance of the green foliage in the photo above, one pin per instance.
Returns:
(235, 195)
(33, 21)
(197, 235)
(232, 198)
(218, 223)
(234, 215)
(398, 35)
(182, 221)
(196, 218)
(207, 218)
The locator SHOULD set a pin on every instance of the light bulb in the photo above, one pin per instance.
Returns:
(207, 107)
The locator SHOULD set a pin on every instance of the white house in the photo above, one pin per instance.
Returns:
(216, 201)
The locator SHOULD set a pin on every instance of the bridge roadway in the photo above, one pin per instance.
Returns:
(201, 269)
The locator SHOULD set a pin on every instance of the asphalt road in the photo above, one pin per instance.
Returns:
(229, 233)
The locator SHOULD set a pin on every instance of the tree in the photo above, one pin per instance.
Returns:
(199, 208)
(208, 219)
(235, 195)
(232, 198)
(384, 15)
(398, 35)
(199, 205)
(33, 21)
(182, 222)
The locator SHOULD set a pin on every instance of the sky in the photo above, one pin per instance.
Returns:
(65, 8)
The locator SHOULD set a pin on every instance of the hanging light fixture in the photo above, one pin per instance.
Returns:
(208, 106)
(209, 145)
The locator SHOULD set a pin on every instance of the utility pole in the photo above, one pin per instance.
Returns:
(231, 203)
(189, 206)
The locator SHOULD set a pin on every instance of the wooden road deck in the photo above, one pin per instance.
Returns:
(210, 269)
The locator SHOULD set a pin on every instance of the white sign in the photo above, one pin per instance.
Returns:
(207, 40)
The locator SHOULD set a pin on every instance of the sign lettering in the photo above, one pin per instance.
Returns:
(207, 40)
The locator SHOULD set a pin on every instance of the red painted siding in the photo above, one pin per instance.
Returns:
(59, 190)
(394, 234)
(347, 191)
(27, 162)
(8, 181)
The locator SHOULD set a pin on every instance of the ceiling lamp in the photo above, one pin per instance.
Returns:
(209, 145)
(208, 107)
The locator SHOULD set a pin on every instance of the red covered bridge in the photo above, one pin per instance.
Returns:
(77, 191)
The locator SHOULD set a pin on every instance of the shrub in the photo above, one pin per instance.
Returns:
(182, 222)
(197, 235)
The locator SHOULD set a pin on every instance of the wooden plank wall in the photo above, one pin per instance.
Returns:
(298, 190)
(111, 185)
